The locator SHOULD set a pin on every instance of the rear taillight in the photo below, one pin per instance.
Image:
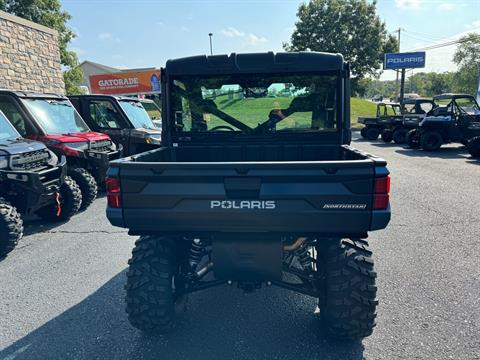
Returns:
(113, 192)
(381, 197)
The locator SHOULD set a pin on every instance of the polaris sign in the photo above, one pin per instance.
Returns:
(404, 60)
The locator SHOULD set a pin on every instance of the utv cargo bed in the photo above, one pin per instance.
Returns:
(260, 188)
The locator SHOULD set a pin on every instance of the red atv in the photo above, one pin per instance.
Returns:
(53, 120)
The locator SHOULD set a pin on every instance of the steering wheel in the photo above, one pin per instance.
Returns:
(220, 127)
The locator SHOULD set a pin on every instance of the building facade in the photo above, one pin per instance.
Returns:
(29, 56)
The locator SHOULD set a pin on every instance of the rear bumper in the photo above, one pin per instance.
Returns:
(339, 223)
(35, 189)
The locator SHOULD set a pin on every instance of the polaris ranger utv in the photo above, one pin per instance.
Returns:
(53, 120)
(32, 181)
(456, 119)
(388, 114)
(253, 190)
(122, 118)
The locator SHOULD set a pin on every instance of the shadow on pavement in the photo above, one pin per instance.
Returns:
(220, 323)
(442, 153)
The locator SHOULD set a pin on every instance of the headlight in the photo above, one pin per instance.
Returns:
(153, 139)
(3, 162)
(77, 145)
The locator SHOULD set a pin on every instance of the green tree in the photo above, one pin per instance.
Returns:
(49, 13)
(467, 58)
(349, 27)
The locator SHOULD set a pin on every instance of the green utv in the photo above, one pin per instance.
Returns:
(32, 181)
(255, 184)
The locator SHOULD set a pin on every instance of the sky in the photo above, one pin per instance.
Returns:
(146, 33)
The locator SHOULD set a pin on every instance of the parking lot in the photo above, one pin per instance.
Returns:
(62, 287)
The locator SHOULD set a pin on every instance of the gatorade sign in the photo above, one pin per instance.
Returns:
(404, 60)
(126, 82)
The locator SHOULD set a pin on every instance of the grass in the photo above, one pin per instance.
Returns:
(360, 107)
(255, 111)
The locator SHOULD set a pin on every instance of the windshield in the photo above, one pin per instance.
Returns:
(56, 116)
(7, 131)
(152, 109)
(252, 103)
(137, 114)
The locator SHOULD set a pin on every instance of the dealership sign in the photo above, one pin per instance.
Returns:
(404, 60)
(126, 82)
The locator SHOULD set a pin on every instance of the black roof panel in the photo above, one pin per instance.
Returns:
(255, 63)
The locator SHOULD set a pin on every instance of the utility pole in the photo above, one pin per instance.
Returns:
(210, 36)
(399, 30)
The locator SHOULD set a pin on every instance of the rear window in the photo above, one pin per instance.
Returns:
(258, 104)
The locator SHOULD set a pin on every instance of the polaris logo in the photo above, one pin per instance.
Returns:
(243, 204)
(405, 61)
(345, 206)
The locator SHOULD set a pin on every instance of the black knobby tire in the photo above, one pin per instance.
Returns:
(87, 184)
(387, 136)
(363, 132)
(372, 133)
(473, 146)
(348, 308)
(431, 140)
(150, 295)
(70, 199)
(412, 139)
(400, 136)
(11, 227)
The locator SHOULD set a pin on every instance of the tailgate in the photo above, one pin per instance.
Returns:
(306, 197)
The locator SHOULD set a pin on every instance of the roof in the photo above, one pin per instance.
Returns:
(105, 96)
(388, 104)
(32, 94)
(105, 68)
(416, 100)
(268, 62)
(451, 96)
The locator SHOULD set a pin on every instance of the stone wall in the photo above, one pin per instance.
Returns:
(29, 56)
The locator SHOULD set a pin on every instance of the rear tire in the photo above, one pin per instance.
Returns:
(400, 136)
(70, 199)
(431, 141)
(11, 227)
(372, 133)
(87, 184)
(363, 132)
(473, 146)
(150, 295)
(348, 308)
(387, 136)
(412, 139)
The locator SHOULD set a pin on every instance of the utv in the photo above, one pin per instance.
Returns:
(53, 120)
(456, 119)
(122, 118)
(32, 181)
(388, 115)
(253, 191)
(413, 111)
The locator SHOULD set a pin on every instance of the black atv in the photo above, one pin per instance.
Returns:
(413, 111)
(388, 114)
(456, 119)
(32, 181)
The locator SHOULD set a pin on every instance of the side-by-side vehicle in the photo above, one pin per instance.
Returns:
(32, 181)
(255, 184)
(124, 119)
(53, 120)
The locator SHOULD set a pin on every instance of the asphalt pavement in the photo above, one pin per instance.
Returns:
(61, 289)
